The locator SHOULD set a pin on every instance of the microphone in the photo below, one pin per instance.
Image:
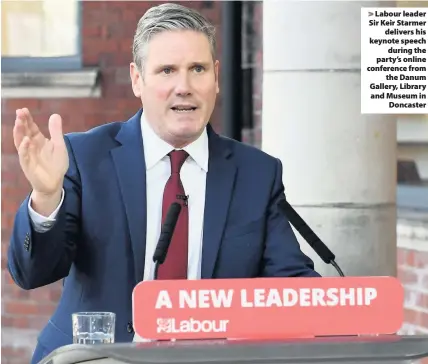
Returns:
(165, 237)
(185, 199)
(307, 233)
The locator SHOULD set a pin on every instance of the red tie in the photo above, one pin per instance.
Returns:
(175, 264)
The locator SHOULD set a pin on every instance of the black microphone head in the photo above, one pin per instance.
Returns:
(167, 231)
(173, 213)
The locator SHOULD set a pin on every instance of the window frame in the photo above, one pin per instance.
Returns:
(412, 197)
(46, 64)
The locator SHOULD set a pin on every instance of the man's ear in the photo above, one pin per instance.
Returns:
(135, 79)
(216, 72)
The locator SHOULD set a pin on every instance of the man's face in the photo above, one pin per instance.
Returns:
(178, 86)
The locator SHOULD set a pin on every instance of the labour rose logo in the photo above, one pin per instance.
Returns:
(164, 325)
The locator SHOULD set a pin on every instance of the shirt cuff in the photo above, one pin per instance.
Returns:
(42, 223)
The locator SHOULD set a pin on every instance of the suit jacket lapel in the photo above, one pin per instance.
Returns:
(219, 188)
(131, 173)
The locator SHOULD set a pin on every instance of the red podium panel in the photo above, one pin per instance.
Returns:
(266, 308)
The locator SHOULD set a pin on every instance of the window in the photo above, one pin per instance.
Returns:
(41, 35)
(412, 153)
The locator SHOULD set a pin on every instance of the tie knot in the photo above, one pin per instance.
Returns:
(177, 158)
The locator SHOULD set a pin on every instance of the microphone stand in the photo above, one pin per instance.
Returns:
(156, 270)
(308, 234)
(336, 266)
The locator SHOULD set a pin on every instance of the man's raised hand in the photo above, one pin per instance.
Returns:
(44, 161)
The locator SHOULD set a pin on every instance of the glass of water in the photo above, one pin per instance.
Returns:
(93, 327)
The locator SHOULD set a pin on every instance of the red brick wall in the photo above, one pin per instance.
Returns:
(413, 273)
(108, 29)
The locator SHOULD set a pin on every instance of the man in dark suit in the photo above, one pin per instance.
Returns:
(98, 198)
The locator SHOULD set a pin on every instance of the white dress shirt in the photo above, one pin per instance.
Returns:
(158, 170)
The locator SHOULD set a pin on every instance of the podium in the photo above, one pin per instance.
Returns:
(262, 321)
(336, 350)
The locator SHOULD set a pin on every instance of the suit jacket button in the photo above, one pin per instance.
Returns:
(129, 328)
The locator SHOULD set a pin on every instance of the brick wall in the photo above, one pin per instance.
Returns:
(254, 136)
(412, 241)
(108, 29)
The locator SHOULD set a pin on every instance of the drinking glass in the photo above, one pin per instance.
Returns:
(93, 327)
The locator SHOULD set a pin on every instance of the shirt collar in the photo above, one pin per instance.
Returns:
(156, 148)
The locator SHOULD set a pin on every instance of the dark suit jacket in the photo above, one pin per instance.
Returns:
(98, 241)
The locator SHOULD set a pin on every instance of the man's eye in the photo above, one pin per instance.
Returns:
(199, 69)
(167, 70)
